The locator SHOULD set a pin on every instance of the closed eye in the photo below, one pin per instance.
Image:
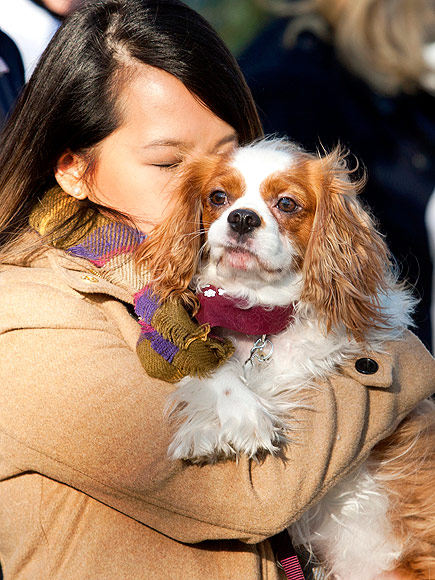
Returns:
(167, 165)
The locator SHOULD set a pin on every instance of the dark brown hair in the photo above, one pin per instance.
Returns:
(70, 101)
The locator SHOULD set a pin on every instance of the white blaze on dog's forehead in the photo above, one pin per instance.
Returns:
(257, 162)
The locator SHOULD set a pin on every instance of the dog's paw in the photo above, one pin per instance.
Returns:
(222, 417)
(251, 430)
(193, 408)
(197, 444)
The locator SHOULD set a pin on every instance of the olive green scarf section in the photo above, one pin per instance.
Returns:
(64, 220)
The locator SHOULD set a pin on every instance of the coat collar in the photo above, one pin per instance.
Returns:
(77, 273)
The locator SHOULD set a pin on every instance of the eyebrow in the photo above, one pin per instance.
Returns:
(182, 144)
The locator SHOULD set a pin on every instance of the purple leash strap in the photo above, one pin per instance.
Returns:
(286, 556)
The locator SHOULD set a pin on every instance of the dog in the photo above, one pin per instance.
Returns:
(272, 246)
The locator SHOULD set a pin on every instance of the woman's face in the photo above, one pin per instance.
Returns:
(163, 124)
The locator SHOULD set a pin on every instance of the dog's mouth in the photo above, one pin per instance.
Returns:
(238, 259)
(243, 260)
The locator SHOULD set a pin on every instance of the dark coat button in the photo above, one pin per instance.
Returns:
(366, 366)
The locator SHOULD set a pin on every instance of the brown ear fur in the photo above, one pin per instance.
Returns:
(172, 250)
(346, 261)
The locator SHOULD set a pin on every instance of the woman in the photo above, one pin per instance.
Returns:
(125, 92)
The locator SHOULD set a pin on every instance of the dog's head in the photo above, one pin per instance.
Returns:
(273, 221)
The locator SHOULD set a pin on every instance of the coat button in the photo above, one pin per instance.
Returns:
(366, 366)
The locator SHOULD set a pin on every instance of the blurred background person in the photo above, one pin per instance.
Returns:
(360, 72)
(11, 75)
(430, 224)
(32, 23)
(60, 8)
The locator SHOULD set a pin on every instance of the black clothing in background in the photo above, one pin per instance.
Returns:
(305, 93)
(11, 75)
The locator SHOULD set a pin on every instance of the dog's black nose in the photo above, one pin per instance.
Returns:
(243, 220)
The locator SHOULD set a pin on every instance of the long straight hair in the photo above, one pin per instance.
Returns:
(70, 102)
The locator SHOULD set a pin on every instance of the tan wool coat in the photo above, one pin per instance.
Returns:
(87, 491)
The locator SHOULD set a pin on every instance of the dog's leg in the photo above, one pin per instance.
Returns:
(221, 416)
(379, 523)
(349, 530)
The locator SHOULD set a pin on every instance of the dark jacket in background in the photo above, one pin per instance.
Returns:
(305, 93)
(11, 75)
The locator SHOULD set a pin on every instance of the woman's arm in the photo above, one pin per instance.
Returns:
(77, 407)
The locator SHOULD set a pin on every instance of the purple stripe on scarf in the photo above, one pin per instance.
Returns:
(160, 345)
(144, 305)
(109, 241)
(106, 242)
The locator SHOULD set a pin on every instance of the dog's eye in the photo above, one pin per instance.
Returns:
(287, 205)
(218, 197)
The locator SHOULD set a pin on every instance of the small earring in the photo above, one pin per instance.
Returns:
(76, 191)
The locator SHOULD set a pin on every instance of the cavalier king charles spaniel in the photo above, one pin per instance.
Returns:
(271, 246)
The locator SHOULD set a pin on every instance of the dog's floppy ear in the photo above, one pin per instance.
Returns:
(346, 261)
(171, 251)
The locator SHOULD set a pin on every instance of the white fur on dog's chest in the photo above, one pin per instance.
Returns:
(299, 353)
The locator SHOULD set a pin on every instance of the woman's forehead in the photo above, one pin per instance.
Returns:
(159, 111)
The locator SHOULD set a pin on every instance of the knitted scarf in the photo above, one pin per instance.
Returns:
(171, 345)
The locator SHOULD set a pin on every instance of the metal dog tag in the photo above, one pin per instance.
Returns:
(262, 351)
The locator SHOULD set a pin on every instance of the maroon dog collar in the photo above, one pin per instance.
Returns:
(217, 308)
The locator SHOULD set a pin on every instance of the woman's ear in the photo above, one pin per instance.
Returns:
(69, 173)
